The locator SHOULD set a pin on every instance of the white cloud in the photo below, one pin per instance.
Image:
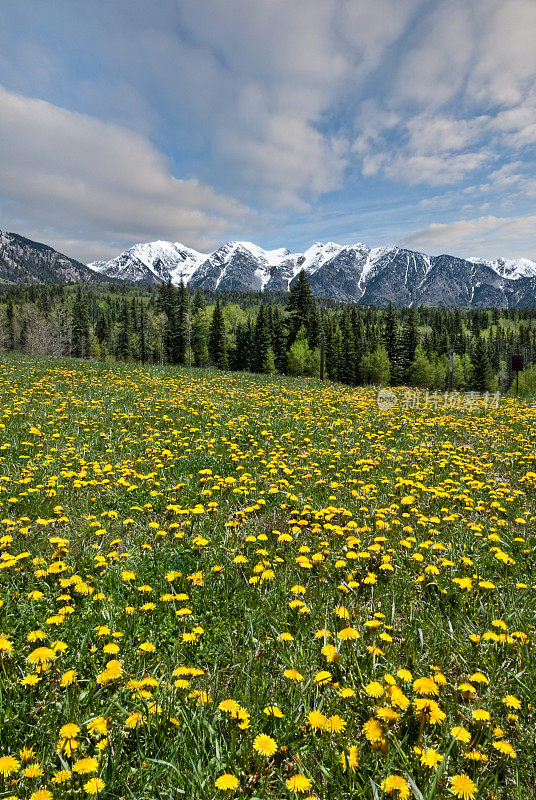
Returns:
(66, 173)
(482, 236)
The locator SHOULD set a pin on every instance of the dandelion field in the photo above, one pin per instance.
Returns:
(225, 585)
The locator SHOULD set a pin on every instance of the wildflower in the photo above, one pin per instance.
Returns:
(68, 677)
(511, 702)
(505, 748)
(298, 783)
(94, 786)
(293, 675)
(430, 710)
(8, 765)
(264, 745)
(316, 720)
(41, 794)
(98, 725)
(463, 787)
(226, 782)
(348, 634)
(396, 786)
(41, 655)
(373, 731)
(352, 760)
(460, 733)
(334, 724)
(274, 711)
(425, 686)
(33, 771)
(430, 758)
(62, 776)
(374, 689)
(85, 765)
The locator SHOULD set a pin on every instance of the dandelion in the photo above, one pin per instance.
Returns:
(430, 758)
(298, 783)
(293, 675)
(462, 787)
(8, 765)
(94, 786)
(227, 782)
(40, 794)
(397, 787)
(85, 766)
(264, 745)
(33, 771)
(62, 776)
(461, 734)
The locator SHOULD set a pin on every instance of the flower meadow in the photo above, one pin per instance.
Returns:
(225, 585)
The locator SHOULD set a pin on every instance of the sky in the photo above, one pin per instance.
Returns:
(283, 122)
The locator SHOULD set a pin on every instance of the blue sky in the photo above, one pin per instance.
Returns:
(409, 122)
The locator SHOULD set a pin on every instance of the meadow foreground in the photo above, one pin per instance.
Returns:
(226, 585)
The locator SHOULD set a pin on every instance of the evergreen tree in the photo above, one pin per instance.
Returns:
(301, 308)
(261, 340)
(180, 338)
(392, 344)
(483, 378)
(279, 341)
(80, 327)
(217, 344)
(410, 339)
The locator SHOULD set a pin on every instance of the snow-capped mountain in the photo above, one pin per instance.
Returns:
(152, 261)
(349, 273)
(510, 268)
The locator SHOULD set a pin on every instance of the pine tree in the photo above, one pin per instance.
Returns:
(180, 338)
(123, 345)
(483, 378)
(347, 367)
(392, 344)
(301, 307)
(410, 339)
(261, 339)
(217, 344)
(80, 327)
(279, 341)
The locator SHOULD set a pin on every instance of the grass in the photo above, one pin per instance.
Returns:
(176, 539)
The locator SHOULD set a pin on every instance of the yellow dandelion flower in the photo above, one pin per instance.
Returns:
(298, 783)
(397, 787)
(85, 766)
(227, 782)
(264, 745)
(94, 786)
(463, 787)
(8, 765)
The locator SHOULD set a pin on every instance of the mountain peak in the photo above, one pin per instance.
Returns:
(348, 273)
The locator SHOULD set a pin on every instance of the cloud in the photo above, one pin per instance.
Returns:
(66, 173)
(482, 236)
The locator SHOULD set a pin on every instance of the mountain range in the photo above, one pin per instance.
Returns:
(347, 273)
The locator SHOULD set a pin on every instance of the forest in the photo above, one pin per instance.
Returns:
(272, 333)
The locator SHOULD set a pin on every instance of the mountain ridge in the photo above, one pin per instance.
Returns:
(26, 262)
(347, 273)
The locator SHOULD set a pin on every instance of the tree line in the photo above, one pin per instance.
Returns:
(272, 334)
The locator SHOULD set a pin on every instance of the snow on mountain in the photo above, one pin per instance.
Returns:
(153, 261)
(344, 273)
(316, 255)
(512, 268)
